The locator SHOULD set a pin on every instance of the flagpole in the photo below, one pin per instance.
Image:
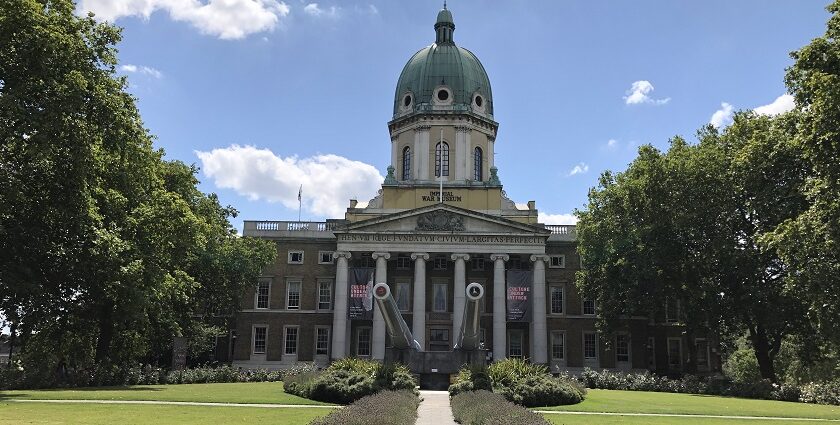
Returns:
(440, 164)
(300, 203)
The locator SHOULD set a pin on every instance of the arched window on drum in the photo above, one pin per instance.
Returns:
(478, 156)
(406, 163)
(442, 159)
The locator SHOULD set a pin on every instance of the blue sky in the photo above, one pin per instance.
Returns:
(266, 95)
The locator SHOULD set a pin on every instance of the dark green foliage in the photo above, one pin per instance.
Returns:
(520, 382)
(486, 408)
(348, 380)
(541, 390)
(384, 408)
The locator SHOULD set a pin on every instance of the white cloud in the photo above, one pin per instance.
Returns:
(226, 19)
(723, 116)
(329, 181)
(580, 168)
(782, 104)
(638, 94)
(612, 144)
(558, 218)
(313, 9)
(142, 70)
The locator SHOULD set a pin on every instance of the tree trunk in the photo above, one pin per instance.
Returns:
(106, 334)
(13, 328)
(691, 350)
(761, 346)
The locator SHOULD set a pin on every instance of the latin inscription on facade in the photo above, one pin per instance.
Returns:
(467, 239)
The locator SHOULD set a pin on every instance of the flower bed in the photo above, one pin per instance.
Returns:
(384, 408)
(486, 408)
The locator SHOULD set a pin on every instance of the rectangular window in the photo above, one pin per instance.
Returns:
(702, 354)
(438, 339)
(590, 345)
(363, 342)
(293, 295)
(675, 353)
(556, 300)
(365, 260)
(440, 262)
(588, 307)
(622, 348)
(402, 295)
(325, 257)
(672, 310)
(477, 263)
(403, 262)
(558, 345)
(295, 257)
(515, 344)
(259, 339)
(322, 341)
(324, 295)
(557, 262)
(514, 263)
(439, 297)
(263, 292)
(651, 353)
(291, 340)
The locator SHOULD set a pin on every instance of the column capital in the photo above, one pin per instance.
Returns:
(377, 255)
(539, 257)
(420, 256)
(496, 257)
(465, 257)
(345, 254)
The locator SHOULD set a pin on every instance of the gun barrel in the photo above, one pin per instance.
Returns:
(469, 338)
(396, 327)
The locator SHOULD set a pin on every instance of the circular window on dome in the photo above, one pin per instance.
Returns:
(443, 95)
(479, 101)
(407, 100)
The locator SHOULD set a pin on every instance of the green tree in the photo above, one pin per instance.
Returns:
(107, 250)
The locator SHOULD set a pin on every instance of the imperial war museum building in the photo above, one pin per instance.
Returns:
(428, 241)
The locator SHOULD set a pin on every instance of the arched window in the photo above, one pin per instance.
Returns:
(477, 164)
(442, 159)
(406, 164)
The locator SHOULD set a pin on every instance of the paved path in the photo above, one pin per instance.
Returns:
(677, 415)
(434, 409)
(177, 403)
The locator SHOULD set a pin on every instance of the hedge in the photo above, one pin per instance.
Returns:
(383, 408)
(348, 380)
(486, 408)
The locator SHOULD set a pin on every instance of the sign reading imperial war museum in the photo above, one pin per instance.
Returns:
(519, 295)
(360, 305)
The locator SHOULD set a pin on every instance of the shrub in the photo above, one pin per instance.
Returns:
(541, 390)
(508, 371)
(348, 380)
(300, 384)
(384, 408)
(486, 408)
(471, 378)
(821, 393)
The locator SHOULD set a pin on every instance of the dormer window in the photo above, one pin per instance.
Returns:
(443, 95)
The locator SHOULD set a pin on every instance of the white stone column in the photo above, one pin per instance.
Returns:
(499, 311)
(418, 321)
(423, 153)
(339, 327)
(539, 332)
(378, 330)
(459, 299)
(396, 156)
(468, 162)
(460, 153)
(491, 153)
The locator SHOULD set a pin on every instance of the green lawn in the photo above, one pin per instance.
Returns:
(12, 412)
(650, 402)
(649, 420)
(251, 392)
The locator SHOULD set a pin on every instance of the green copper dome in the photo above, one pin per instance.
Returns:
(443, 77)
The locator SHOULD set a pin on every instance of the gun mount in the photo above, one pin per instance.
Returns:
(395, 326)
(469, 338)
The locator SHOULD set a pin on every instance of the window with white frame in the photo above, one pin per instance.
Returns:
(588, 307)
(651, 353)
(322, 341)
(702, 354)
(674, 353)
(590, 345)
(296, 257)
(325, 294)
(403, 262)
(515, 343)
(672, 310)
(363, 342)
(263, 293)
(440, 262)
(439, 297)
(291, 340)
(325, 257)
(258, 344)
(402, 295)
(293, 295)
(558, 345)
(622, 348)
(557, 261)
(556, 294)
(477, 263)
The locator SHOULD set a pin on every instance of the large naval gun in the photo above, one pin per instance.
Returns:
(433, 367)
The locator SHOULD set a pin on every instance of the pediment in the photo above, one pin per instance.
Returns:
(442, 218)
